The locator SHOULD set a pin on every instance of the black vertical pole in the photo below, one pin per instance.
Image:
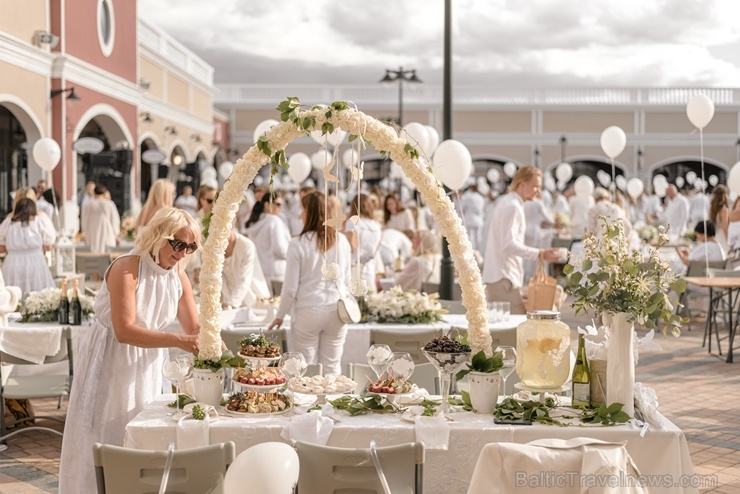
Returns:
(400, 99)
(447, 271)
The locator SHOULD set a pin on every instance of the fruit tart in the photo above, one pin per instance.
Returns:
(250, 402)
(262, 376)
(257, 346)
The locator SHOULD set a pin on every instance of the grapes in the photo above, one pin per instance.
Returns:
(446, 345)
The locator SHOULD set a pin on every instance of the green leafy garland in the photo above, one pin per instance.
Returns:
(535, 411)
(227, 360)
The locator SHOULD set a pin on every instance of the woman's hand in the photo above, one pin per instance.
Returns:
(275, 324)
(189, 343)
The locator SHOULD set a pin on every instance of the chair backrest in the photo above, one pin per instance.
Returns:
(723, 273)
(699, 268)
(362, 374)
(330, 470)
(129, 471)
(64, 353)
(110, 249)
(404, 341)
(559, 243)
(429, 287)
(232, 336)
(426, 376)
(93, 265)
(314, 370)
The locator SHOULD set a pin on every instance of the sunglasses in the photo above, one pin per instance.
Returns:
(209, 201)
(179, 246)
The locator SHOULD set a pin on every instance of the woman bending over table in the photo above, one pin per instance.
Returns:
(315, 329)
(119, 366)
(424, 266)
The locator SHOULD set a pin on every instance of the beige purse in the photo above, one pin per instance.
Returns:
(348, 309)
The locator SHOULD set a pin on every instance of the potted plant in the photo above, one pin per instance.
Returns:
(483, 380)
(209, 375)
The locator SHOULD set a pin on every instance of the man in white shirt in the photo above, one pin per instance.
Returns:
(503, 272)
(187, 201)
(473, 204)
(698, 207)
(676, 212)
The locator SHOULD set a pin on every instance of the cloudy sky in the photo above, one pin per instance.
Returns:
(501, 43)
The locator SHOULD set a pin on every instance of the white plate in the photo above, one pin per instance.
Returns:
(247, 414)
(259, 359)
(256, 387)
(187, 411)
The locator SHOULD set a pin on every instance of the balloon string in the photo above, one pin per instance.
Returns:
(701, 191)
(459, 203)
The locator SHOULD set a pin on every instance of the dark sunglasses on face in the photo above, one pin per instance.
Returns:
(209, 201)
(179, 246)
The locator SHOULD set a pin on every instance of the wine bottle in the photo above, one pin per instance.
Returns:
(64, 304)
(75, 308)
(581, 377)
(399, 263)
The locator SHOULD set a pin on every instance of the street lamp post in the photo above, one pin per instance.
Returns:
(400, 76)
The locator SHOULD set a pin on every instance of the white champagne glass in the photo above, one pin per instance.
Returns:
(402, 366)
(508, 354)
(171, 370)
(379, 357)
(293, 365)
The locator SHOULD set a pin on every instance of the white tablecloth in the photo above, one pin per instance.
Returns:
(445, 472)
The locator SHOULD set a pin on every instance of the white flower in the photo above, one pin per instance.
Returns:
(294, 366)
(378, 355)
(402, 367)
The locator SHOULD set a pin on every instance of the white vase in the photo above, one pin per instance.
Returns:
(483, 388)
(620, 362)
(208, 386)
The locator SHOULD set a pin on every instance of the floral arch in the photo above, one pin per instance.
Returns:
(296, 121)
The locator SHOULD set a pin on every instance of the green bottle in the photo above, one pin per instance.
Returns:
(581, 377)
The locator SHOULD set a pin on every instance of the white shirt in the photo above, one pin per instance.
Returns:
(473, 205)
(698, 209)
(393, 244)
(401, 221)
(505, 246)
(187, 203)
(304, 286)
(710, 251)
(420, 269)
(676, 215)
(271, 237)
(579, 214)
(101, 224)
(241, 286)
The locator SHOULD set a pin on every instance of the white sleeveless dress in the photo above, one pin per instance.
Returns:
(113, 381)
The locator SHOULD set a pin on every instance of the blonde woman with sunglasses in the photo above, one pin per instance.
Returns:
(119, 363)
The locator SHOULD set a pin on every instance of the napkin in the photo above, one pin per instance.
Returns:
(192, 433)
(433, 431)
(32, 344)
(646, 406)
(312, 427)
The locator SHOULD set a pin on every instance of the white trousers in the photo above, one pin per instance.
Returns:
(319, 334)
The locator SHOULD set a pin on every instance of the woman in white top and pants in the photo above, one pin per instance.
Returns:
(270, 235)
(316, 330)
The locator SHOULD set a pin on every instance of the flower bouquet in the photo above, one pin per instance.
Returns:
(43, 306)
(399, 306)
(128, 227)
(648, 233)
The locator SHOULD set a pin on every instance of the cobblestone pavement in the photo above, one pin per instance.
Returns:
(699, 392)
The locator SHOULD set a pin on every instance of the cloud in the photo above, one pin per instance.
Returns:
(495, 42)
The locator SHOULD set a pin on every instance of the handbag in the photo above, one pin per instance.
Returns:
(543, 292)
(348, 309)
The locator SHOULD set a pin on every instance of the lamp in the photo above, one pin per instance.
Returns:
(147, 117)
(400, 76)
(171, 130)
(71, 96)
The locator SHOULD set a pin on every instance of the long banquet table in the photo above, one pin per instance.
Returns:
(729, 285)
(658, 453)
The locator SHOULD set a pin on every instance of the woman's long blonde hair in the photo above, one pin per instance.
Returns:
(161, 195)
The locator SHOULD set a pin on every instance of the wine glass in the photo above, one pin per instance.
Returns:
(379, 357)
(402, 366)
(293, 365)
(172, 370)
(508, 355)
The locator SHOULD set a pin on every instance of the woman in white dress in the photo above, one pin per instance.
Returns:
(396, 216)
(101, 221)
(424, 266)
(119, 364)
(271, 236)
(25, 237)
(243, 281)
(316, 330)
(364, 237)
(719, 214)
(161, 195)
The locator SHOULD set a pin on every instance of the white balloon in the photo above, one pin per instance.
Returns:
(276, 462)
(263, 127)
(407, 182)
(584, 186)
(690, 177)
(549, 182)
(417, 135)
(700, 110)
(510, 169)
(225, 169)
(432, 141)
(46, 153)
(613, 141)
(621, 182)
(320, 158)
(680, 182)
(212, 182)
(299, 167)
(350, 158)
(660, 180)
(452, 163)
(395, 172)
(604, 178)
(337, 137)
(493, 175)
(564, 172)
(209, 172)
(713, 180)
(561, 185)
(733, 180)
(635, 187)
